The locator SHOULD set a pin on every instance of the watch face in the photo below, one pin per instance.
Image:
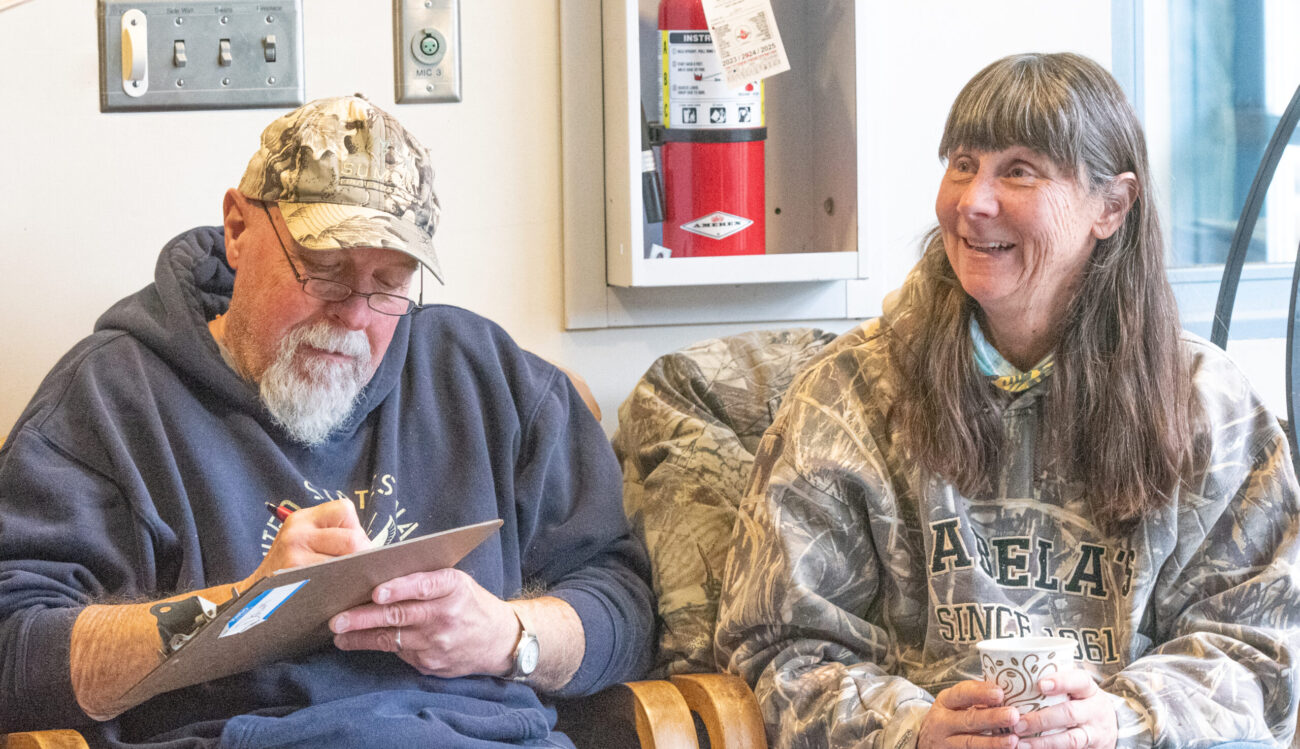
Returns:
(528, 650)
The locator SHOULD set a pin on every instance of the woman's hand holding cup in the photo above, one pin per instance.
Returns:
(1060, 706)
(1086, 719)
(969, 715)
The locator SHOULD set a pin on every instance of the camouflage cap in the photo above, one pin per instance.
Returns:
(347, 174)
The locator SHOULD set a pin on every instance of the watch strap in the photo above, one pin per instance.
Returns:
(526, 653)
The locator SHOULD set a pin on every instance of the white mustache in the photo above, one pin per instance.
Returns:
(323, 336)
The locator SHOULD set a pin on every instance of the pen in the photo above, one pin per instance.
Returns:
(282, 512)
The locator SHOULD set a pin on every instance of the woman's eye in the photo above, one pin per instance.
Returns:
(963, 165)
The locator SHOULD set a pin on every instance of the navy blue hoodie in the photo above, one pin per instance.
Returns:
(142, 468)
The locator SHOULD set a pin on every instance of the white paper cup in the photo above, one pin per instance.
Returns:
(1017, 664)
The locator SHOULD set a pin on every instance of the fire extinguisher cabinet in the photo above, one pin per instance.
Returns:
(849, 162)
(809, 157)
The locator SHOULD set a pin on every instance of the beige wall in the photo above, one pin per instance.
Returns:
(89, 198)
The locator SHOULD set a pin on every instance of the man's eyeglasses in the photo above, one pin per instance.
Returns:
(337, 291)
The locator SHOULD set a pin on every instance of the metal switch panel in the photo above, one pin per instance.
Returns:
(230, 55)
(426, 50)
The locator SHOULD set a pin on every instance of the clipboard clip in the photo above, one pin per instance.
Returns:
(178, 621)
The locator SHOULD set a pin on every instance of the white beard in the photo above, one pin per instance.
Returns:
(308, 396)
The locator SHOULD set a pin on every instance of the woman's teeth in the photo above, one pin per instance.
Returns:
(989, 246)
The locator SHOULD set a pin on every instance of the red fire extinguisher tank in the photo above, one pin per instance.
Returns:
(712, 155)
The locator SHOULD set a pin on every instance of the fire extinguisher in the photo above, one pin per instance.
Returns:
(712, 152)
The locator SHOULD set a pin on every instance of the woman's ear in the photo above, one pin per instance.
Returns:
(1117, 200)
(234, 212)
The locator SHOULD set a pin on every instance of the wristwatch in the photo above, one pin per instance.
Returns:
(526, 654)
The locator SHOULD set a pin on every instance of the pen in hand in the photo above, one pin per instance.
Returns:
(282, 512)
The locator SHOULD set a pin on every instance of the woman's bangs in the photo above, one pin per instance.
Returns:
(996, 112)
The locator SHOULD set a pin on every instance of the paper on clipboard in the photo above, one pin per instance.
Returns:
(286, 614)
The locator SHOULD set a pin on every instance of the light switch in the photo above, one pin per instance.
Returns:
(426, 50)
(135, 53)
(228, 55)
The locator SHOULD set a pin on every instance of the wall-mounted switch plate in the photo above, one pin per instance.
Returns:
(161, 54)
(426, 50)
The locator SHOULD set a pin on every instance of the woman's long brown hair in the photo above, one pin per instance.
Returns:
(1121, 412)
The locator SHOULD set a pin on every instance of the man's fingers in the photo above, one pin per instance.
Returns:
(330, 529)
(335, 542)
(340, 513)
(401, 615)
(418, 599)
(420, 586)
(380, 639)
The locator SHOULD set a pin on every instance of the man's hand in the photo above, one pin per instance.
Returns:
(113, 647)
(442, 622)
(1087, 718)
(963, 713)
(310, 535)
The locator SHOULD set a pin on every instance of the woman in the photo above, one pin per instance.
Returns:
(1025, 443)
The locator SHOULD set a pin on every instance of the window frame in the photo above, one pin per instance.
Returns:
(1262, 306)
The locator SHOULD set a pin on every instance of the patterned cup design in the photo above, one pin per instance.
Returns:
(1017, 664)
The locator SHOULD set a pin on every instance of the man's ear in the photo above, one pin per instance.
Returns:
(1118, 199)
(234, 211)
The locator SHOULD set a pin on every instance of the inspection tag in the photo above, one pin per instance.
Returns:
(747, 40)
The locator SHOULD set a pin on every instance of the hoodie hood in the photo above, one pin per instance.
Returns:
(193, 284)
(896, 304)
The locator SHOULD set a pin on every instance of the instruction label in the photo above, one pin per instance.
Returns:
(696, 95)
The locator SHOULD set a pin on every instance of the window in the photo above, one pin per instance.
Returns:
(1210, 79)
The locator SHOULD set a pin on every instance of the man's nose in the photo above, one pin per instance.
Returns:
(352, 313)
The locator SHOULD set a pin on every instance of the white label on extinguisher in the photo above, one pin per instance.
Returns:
(695, 95)
(749, 43)
(717, 225)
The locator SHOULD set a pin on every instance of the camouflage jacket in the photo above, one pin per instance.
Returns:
(858, 584)
(686, 438)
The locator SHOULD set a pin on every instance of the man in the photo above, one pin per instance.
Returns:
(286, 362)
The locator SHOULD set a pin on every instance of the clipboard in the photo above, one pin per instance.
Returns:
(285, 614)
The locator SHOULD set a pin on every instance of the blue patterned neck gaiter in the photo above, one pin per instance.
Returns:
(1004, 373)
